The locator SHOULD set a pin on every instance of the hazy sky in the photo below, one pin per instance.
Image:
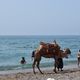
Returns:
(39, 17)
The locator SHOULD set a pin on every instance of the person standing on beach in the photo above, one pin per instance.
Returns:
(78, 57)
(60, 64)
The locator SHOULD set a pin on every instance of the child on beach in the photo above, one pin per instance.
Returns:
(23, 61)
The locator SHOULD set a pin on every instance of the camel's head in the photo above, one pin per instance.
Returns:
(67, 51)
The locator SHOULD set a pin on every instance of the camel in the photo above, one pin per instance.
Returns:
(50, 51)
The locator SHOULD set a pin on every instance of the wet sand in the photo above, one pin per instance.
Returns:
(69, 73)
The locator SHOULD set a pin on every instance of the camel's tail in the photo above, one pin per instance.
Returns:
(33, 54)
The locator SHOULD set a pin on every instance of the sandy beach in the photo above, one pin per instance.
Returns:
(67, 74)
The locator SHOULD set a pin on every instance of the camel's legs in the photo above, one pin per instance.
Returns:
(55, 65)
(38, 62)
(34, 66)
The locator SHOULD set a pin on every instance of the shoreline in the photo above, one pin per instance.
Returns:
(68, 73)
(66, 67)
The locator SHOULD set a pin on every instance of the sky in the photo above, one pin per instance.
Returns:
(39, 17)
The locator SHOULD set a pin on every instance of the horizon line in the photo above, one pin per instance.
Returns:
(43, 35)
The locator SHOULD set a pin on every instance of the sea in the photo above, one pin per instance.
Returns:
(13, 48)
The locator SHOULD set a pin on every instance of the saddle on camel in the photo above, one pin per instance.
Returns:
(49, 47)
(49, 50)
